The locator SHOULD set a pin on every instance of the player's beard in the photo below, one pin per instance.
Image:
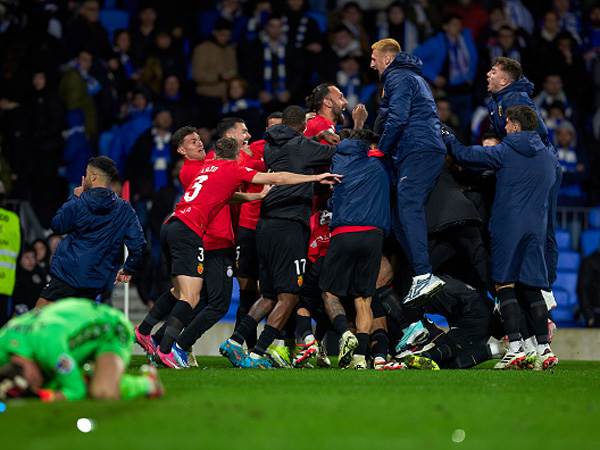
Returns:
(338, 114)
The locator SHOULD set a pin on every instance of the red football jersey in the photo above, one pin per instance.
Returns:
(318, 124)
(219, 233)
(318, 244)
(250, 211)
(209, 192)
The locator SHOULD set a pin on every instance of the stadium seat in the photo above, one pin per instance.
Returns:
(563, 239)
(594, 217)
(568, 260)
(320, 18)
(566, 282)
(113, 19)
(564, 316)
(590, 241)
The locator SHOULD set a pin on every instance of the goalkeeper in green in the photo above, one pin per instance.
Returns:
(43, 352)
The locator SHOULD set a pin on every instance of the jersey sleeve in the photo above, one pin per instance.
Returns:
(246, 174)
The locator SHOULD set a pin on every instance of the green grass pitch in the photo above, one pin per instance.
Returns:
(218, 407)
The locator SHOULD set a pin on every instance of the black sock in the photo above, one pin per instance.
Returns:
(181, 314)
(303, 328)
(511, 313)
(322, 327)
(439, 353)
(159, 311)
(393, 307)
(266, 338)
(246, 327)
(538, 312)
(247, 299)
(471, 357)
(381, 343)
(340, 323)
(363, 343)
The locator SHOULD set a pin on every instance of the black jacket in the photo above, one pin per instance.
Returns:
(447, 205)
(588, 285)
(288, 150)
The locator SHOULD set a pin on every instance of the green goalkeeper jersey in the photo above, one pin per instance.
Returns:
(63, 336)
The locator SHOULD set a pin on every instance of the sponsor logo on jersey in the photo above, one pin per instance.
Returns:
(64, 364)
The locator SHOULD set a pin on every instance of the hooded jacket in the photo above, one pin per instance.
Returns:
(517, 93)
(525, 176)
(408, 121)
(288, 150)
(363, 197)
(98, 223)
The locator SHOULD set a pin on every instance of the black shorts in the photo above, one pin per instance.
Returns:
(310, 294)
(246, 255)
(282, 247)
(352, 264)
(218, 278)
(56, 289)
(182, 249)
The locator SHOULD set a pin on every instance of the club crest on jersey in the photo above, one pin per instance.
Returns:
(229, 271)
(200, 268)
(65, 364)
(300, 280)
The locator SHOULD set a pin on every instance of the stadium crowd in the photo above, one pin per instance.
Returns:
(154, 91)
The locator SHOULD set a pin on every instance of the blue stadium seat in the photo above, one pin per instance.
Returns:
(320, 18)
(594, 217)
(564, 316)
(440, 321)
(563, 239)
(566, 282)
(113, 19)
(568, 260)
(590, 241)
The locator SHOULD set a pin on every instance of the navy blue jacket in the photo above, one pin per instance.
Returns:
(407, 112)
(98, 223)
(363, 196)
(525, 176)
(517, 93)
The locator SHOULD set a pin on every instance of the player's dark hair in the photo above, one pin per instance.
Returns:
(294, 117)
(490, 135)
(180, 134)
(227, 148)
(364, 135)
(227, 124)
(105, 165)
(524, 116)
(315, 100)
(510, 66)
(275, 115)
(450, 17)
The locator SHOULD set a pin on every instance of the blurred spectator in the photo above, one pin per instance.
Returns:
(447, 117)
(301, 30)
(506, 45)
(572, 162)
(553, 92)
(473, 15)
(239, 104)
(53, 241)
(257, 18)
(397, 26)
(213, 64)
(143, 35)
(151, 75)
(571, 67)
(30, 281)
(588, 289)
(555, 116)
(171, 59)
(425, 14)
(122, 51)
(569, 21)
(86, 32)
(10, 244)
(592, 50)
(518, 16)
(496, 20)
(352, 16)
(274, 68)
(42, 255)
(353, 84)
(450, 63)
(230, 10)
(148, 163)
(182, 110)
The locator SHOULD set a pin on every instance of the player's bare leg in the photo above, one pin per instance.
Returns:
(42, 302)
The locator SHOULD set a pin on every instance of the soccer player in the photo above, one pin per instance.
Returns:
(410, 133)
(247, 256)
(98, 223)
(360, 219)
(183, 232)
(282, 236)
(43, 353)
(525, 176)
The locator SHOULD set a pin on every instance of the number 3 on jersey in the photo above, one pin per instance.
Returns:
(195, 188)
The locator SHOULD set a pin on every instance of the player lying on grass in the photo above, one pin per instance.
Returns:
(42, 353)
(182, 240)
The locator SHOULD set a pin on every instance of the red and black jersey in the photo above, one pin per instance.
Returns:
(250, 211)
